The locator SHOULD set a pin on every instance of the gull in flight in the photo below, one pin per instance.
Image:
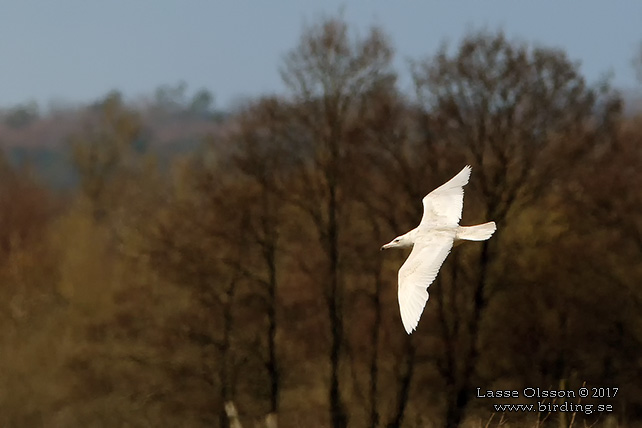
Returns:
(431, 242)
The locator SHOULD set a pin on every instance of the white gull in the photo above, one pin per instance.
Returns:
(431, 242)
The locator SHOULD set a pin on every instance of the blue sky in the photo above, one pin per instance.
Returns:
(76, 51)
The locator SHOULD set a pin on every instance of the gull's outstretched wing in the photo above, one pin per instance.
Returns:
(443, 205)
(417, 273)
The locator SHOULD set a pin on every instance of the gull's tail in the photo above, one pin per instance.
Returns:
(481, 232)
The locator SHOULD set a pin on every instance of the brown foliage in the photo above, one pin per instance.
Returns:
(250, 273)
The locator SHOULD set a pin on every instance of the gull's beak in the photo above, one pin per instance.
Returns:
(384, 247)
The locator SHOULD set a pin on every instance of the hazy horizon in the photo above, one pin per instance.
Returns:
(75, 52)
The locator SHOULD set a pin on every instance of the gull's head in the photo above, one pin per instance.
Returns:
(401, 241)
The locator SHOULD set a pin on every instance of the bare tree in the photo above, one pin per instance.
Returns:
(391, 171)
(262, 157)
(518, 113)
(330, 77)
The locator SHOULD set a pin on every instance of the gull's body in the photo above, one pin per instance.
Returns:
(431, 242)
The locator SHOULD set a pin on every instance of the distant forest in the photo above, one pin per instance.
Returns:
(166, 263)
(172, 122)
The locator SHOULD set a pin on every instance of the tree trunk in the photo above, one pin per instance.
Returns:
(374, 363)
(272, 362)
(405, 380)
(461, 393)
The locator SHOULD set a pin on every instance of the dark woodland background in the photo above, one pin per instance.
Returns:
(160, 257)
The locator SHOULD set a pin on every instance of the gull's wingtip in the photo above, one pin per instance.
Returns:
(410, 327)
(461, 179)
